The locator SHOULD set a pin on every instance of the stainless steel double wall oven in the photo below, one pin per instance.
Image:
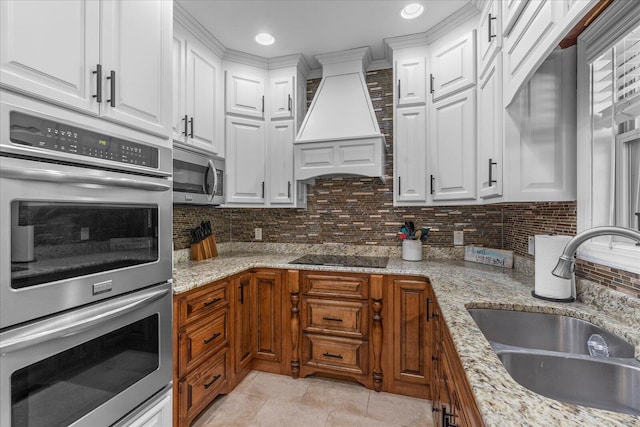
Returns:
(85, 267)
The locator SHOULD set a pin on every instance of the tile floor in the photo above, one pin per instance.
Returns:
(264, 399)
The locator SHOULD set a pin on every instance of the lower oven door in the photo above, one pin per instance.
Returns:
(90, 366)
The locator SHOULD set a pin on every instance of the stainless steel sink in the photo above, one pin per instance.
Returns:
(608, 384)
(548, 332)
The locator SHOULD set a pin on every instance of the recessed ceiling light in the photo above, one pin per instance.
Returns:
(412, 10)
(265, 39)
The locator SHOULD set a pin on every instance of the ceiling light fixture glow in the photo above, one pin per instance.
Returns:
(412, 11)
(265, 39)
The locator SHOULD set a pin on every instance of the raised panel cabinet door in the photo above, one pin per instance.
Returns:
(454, 66)
(452, 148)
(281, 183)
(490, 130)
(179, 118)
(203, 75)
(282, 98)
(50, 50)
(246, 161)
(268, 315)
(411, 333)
(245, 95)
(511, 10)
(244, 321)
(136, 49)
(411, 80)
(410, 154)
(489, 33)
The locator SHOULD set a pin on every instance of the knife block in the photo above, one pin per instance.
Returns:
(205, 249)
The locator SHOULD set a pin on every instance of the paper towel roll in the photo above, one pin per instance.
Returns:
(548, 249)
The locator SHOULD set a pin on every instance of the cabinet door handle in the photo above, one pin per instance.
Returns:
(432, 81)
(191, 123)
(263, 189)
(332, 319)
(433, 180)
(241, 293)
(399, 187)
(213, 301)
(98, 72)
(289, 189)
(263, 103)
(428, 302)
(337, 356)
(491, 36)
(398, 89)
(210, 383)
(290, 103)
(112, 81)
(213, 337)
(186, 124)
(491, 180)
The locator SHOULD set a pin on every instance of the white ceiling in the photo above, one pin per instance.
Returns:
(313, 27)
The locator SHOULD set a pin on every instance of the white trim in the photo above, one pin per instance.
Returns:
(184, 18)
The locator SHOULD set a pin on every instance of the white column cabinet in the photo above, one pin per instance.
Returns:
(453, 65)
(410, 154)
(245, 94)
(246, 151)
(490, 130)
(411, 78)
(281, 183)
(452, 147)
(197, 113)
(54, 52)
(281, 97)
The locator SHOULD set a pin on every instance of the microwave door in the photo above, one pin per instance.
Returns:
(210, 187)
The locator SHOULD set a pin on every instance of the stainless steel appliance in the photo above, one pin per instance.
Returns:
(85, 271)
(198, 177)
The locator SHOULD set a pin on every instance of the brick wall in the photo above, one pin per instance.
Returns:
(360, 211)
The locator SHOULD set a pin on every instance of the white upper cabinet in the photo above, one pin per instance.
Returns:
(511, 10)
(410, 154)
(490, 130)
(489, 33)
(245, 94)
(33, 60)
(281, 183)
(281, 97)
(197, 117)
(93, 56)
(452, 147)
(411, 78)
(454, 65)
(246, 151)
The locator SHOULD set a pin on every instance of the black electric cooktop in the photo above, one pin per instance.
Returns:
(343, 260)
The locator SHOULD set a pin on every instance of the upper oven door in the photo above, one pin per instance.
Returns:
(78, 235)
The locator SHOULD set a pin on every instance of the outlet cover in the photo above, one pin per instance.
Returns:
(532, 246)
(458, 238)
(257, 234)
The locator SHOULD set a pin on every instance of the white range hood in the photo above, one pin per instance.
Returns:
(340, 134)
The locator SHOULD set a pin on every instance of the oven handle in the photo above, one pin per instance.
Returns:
(48, 175)
(76, 322)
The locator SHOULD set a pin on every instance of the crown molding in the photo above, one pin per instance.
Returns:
(296, 60)
(245, 59)
(452, 21)
(191, 24)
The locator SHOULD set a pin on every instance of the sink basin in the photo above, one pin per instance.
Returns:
(599, 383)
(547, 332)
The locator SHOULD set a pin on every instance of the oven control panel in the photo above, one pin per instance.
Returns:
(56, 136)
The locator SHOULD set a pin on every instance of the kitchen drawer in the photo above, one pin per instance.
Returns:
(201, 386)
(335, 353)
(347, 318)
(201, 302)
(335, 285)
(201, 339)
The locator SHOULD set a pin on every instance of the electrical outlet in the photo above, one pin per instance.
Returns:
(458, 238)
(84, 233)
(257, 234)
(532, 246)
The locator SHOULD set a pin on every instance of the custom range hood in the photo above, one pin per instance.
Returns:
(340, 135)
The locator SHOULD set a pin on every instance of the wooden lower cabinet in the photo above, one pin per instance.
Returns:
(268, 315)
(244, 327)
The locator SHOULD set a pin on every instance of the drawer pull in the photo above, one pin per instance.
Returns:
(332, 319)
(337, 356)
(216, 335)
(213, 301)
(210, 383)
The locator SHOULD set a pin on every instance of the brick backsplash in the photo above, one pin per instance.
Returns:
(360, 211)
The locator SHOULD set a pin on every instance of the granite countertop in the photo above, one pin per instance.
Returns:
(459, 285)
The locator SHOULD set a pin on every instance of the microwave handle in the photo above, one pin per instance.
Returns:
(77, 321)
(77, 178)
(215, 180)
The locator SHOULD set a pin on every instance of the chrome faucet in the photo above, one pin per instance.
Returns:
(566, 263)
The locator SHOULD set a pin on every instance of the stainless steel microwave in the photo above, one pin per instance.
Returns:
(198, 177)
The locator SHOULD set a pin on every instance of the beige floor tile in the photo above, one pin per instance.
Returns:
(245, 384)
(338, 396)
(344, 419)
(395, 409)
(277, 387)
(276, 413)
(237, 409)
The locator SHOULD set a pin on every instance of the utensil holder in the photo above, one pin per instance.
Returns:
(205, 249)
(412, 250)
